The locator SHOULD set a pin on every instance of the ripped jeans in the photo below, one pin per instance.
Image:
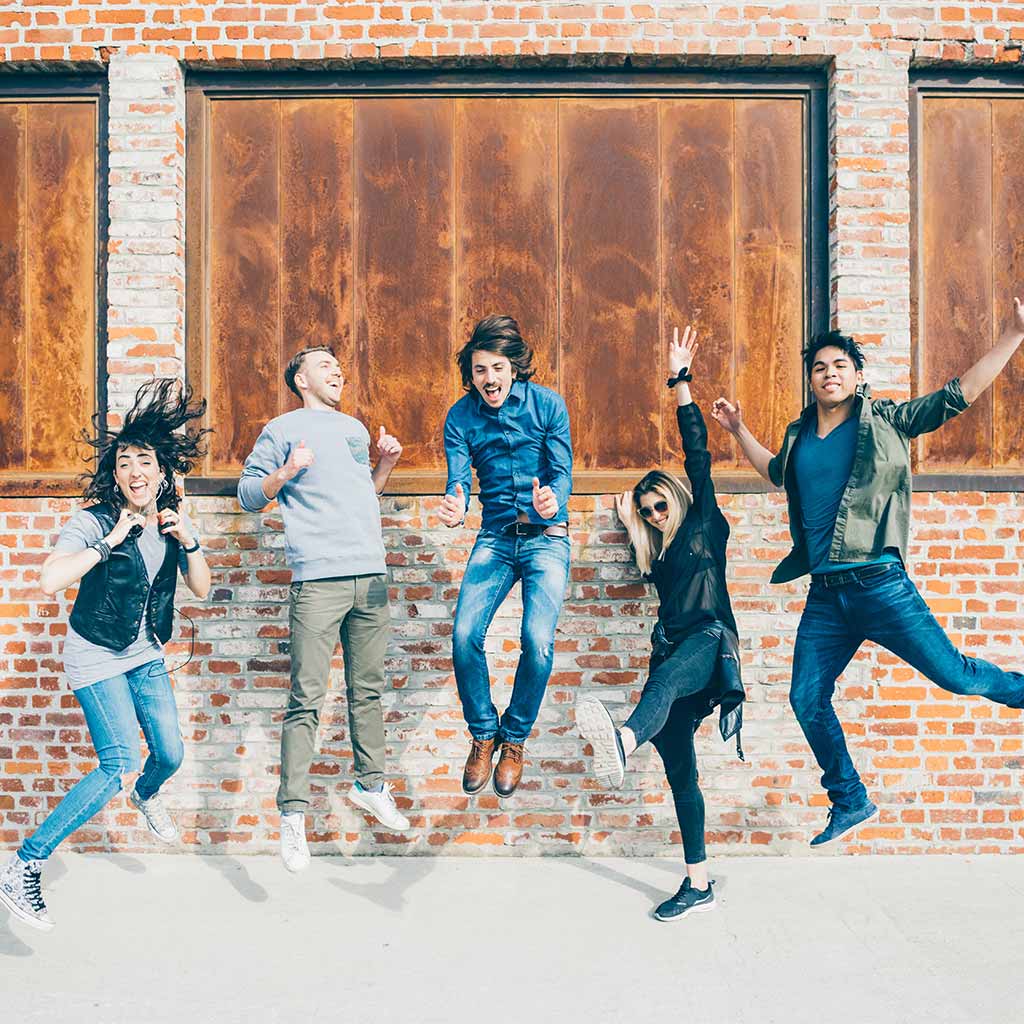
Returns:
(497, 562)
(114, 709)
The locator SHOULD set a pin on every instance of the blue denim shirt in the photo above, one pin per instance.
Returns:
(527, 437)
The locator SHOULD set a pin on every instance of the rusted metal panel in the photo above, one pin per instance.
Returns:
(316, 231)
(60, 243)
(1008, 270)
(770, 278)
(507, 219)
(12, 288)
(244, 273)
(196, 228)
(404, 270)
(956, 252)
(611, 349)
(697, 254)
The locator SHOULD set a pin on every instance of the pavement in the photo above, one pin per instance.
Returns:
(416, 940)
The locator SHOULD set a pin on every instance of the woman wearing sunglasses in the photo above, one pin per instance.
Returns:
(124, 552)
(679, 536)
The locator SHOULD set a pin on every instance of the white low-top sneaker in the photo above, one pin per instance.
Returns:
(294, 851)
(596, 726)
(20, 892)
(381, 805)
(160, 822)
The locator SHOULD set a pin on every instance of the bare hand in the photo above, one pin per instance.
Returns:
(388, 447)
(727, 415)
(544, 501)
(127, 520)
(1018, 316)
(681, 354)
(171, 525)
(453, 507)
(626, 509)
(299, 458)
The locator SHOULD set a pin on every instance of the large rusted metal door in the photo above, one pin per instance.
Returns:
(48, 243)
(388, 225)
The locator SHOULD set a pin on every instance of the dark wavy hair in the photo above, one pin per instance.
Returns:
(498, 334)
(832, 339)
(162, 408)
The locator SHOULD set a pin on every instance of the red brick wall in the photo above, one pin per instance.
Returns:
(946, 770)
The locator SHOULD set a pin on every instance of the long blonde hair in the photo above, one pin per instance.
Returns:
(649, 543)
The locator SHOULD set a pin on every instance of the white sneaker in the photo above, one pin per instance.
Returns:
(381, 805)
(20, 892)
(294, 851)
(160, 823)
(596, 725)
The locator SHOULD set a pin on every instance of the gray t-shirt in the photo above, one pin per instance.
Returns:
(86, 663)
(331, 512)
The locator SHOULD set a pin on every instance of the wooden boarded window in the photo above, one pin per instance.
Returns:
(388, 225)
(48, 282)
(968, 264)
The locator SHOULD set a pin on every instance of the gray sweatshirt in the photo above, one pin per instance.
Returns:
(331, 512)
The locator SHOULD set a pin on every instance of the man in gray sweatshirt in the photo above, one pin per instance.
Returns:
(316, 462)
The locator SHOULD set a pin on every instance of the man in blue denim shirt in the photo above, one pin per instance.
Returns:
(516, 435)
(845, 465)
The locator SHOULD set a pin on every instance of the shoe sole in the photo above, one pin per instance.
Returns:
(700, 908)
(598, 729)
(163, 839)
(16, 911)
(354, 798)
(850, 828)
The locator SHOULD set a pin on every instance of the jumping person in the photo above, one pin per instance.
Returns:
(845, 465)
(126, 548)
(316, 462)
(516, 435)
(679, 538)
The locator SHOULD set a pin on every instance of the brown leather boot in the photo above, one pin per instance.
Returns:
(478, 765)
(509, 770)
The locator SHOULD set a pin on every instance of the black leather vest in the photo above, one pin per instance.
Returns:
(115, 595)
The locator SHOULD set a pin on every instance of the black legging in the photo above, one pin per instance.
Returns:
(666, 715)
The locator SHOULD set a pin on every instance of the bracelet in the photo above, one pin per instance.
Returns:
(195, 546)
(684, 375)
(102, 548)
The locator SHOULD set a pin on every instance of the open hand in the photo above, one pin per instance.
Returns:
(544, 501)
(626, 509)
(389, 449)
(727, 415)
(453, 507)
(1018, 316)
(681, 354)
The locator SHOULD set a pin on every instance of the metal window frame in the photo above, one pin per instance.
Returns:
(89, 84)
(202, 86)
(925, 82)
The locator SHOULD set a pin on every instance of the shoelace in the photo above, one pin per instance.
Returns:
(33, 893)
(513, 751)
(157, 812)
(291, 834)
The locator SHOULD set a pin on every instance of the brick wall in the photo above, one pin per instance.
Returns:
(946, 770)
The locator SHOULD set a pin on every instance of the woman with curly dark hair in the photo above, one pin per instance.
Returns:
(124, 551)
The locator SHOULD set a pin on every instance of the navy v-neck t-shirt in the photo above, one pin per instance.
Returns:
(822, 466)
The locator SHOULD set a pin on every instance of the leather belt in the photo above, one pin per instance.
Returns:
(518, 529)
(848, 576)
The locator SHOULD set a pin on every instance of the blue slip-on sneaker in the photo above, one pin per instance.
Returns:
(842, 822)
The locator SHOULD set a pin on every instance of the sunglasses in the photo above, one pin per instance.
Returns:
(646, 511)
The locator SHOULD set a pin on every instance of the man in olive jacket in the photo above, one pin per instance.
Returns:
(845, 465)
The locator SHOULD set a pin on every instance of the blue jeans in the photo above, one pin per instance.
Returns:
(114, 709)
(497, 561)
(888, 610)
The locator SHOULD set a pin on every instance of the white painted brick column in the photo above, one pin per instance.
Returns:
(146, 263)
(869, 210)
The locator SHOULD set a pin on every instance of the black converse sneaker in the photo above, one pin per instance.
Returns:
(596, 725)
(687, 900)
(20, 892)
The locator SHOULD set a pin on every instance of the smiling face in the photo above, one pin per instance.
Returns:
(834, 377)
(320, 381)
(492, 377)
(138, 474)
(654, 508)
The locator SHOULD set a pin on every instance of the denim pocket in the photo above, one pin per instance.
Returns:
(377, 593)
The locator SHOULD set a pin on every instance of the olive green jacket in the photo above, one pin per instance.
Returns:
(874, 513)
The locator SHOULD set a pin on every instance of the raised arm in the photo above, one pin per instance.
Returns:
(990, 365)
(728, 416)
(693, 432)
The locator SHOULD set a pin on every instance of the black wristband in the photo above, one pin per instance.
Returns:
(102, 548)
(195, 547)
(684, 375)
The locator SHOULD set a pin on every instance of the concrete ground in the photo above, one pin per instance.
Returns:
(415, 940)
